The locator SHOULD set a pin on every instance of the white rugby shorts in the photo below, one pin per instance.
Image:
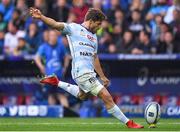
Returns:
(89, 83)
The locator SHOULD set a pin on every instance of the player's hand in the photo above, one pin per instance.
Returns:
(105, 81)
(35, 13)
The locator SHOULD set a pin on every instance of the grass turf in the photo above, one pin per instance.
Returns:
(77, 124)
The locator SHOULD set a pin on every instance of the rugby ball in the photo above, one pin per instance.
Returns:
(152, 113)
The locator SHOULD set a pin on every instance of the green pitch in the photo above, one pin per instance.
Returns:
(77, 124)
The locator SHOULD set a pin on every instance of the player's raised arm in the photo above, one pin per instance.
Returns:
(35, 13)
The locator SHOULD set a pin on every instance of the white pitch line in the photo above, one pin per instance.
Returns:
(87, 131)
(85, 123)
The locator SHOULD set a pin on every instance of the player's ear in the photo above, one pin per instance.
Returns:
(90, 21)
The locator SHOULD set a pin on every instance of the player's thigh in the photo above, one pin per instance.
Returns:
(91, 85)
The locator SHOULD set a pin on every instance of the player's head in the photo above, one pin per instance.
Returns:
(95, 17)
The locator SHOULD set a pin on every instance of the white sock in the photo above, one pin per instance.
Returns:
(72, 89)
(117, 113)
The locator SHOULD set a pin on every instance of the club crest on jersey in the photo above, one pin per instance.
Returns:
(82, 33)
(91, 38)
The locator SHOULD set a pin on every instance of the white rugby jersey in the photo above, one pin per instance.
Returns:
(83, 46)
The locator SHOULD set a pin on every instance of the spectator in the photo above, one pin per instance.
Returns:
(115, 5)
(136, 24)
(11, 38)
(169, 15)
(54, 54)
(79, 9)
(22, 48)
(164, 28)
(45, 36)
(169, 46)
(125, 4)
(16, 17)
(97, 4)
(126, 44)
(104, 36)
(6, 8)
(2, 23)
(41, 26)
(106, 27)
(175, 25)
(117, 34)
(160, 8)
(136, 5)
(112, 49)
(1, 41)
(21, 5)
(41, 4)
(156, 27)
(144, 46)
(60, 11)
(33, 37)
(119, 18)
(71, 17)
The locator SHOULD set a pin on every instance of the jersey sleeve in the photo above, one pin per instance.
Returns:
(67, 29)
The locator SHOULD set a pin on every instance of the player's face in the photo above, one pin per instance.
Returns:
(95, 26)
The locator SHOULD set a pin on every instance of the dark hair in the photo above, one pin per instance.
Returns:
(129, 31)
(137, 10)
(148, 34)
(18, 11)
(95, 15)
(14, 23)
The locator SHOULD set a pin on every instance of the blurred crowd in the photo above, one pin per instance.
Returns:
(132, 27)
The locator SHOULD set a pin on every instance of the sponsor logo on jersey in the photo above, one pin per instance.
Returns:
(86, 44)
(82, 33)
(91, 38)
(86, 54)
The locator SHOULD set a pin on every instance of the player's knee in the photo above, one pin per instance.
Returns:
(82, 97)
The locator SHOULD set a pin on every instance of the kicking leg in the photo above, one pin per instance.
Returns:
(73, 89)
(113, 109)
(70, 88)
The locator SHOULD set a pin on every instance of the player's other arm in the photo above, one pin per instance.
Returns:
(35, 13)
(100, 72)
